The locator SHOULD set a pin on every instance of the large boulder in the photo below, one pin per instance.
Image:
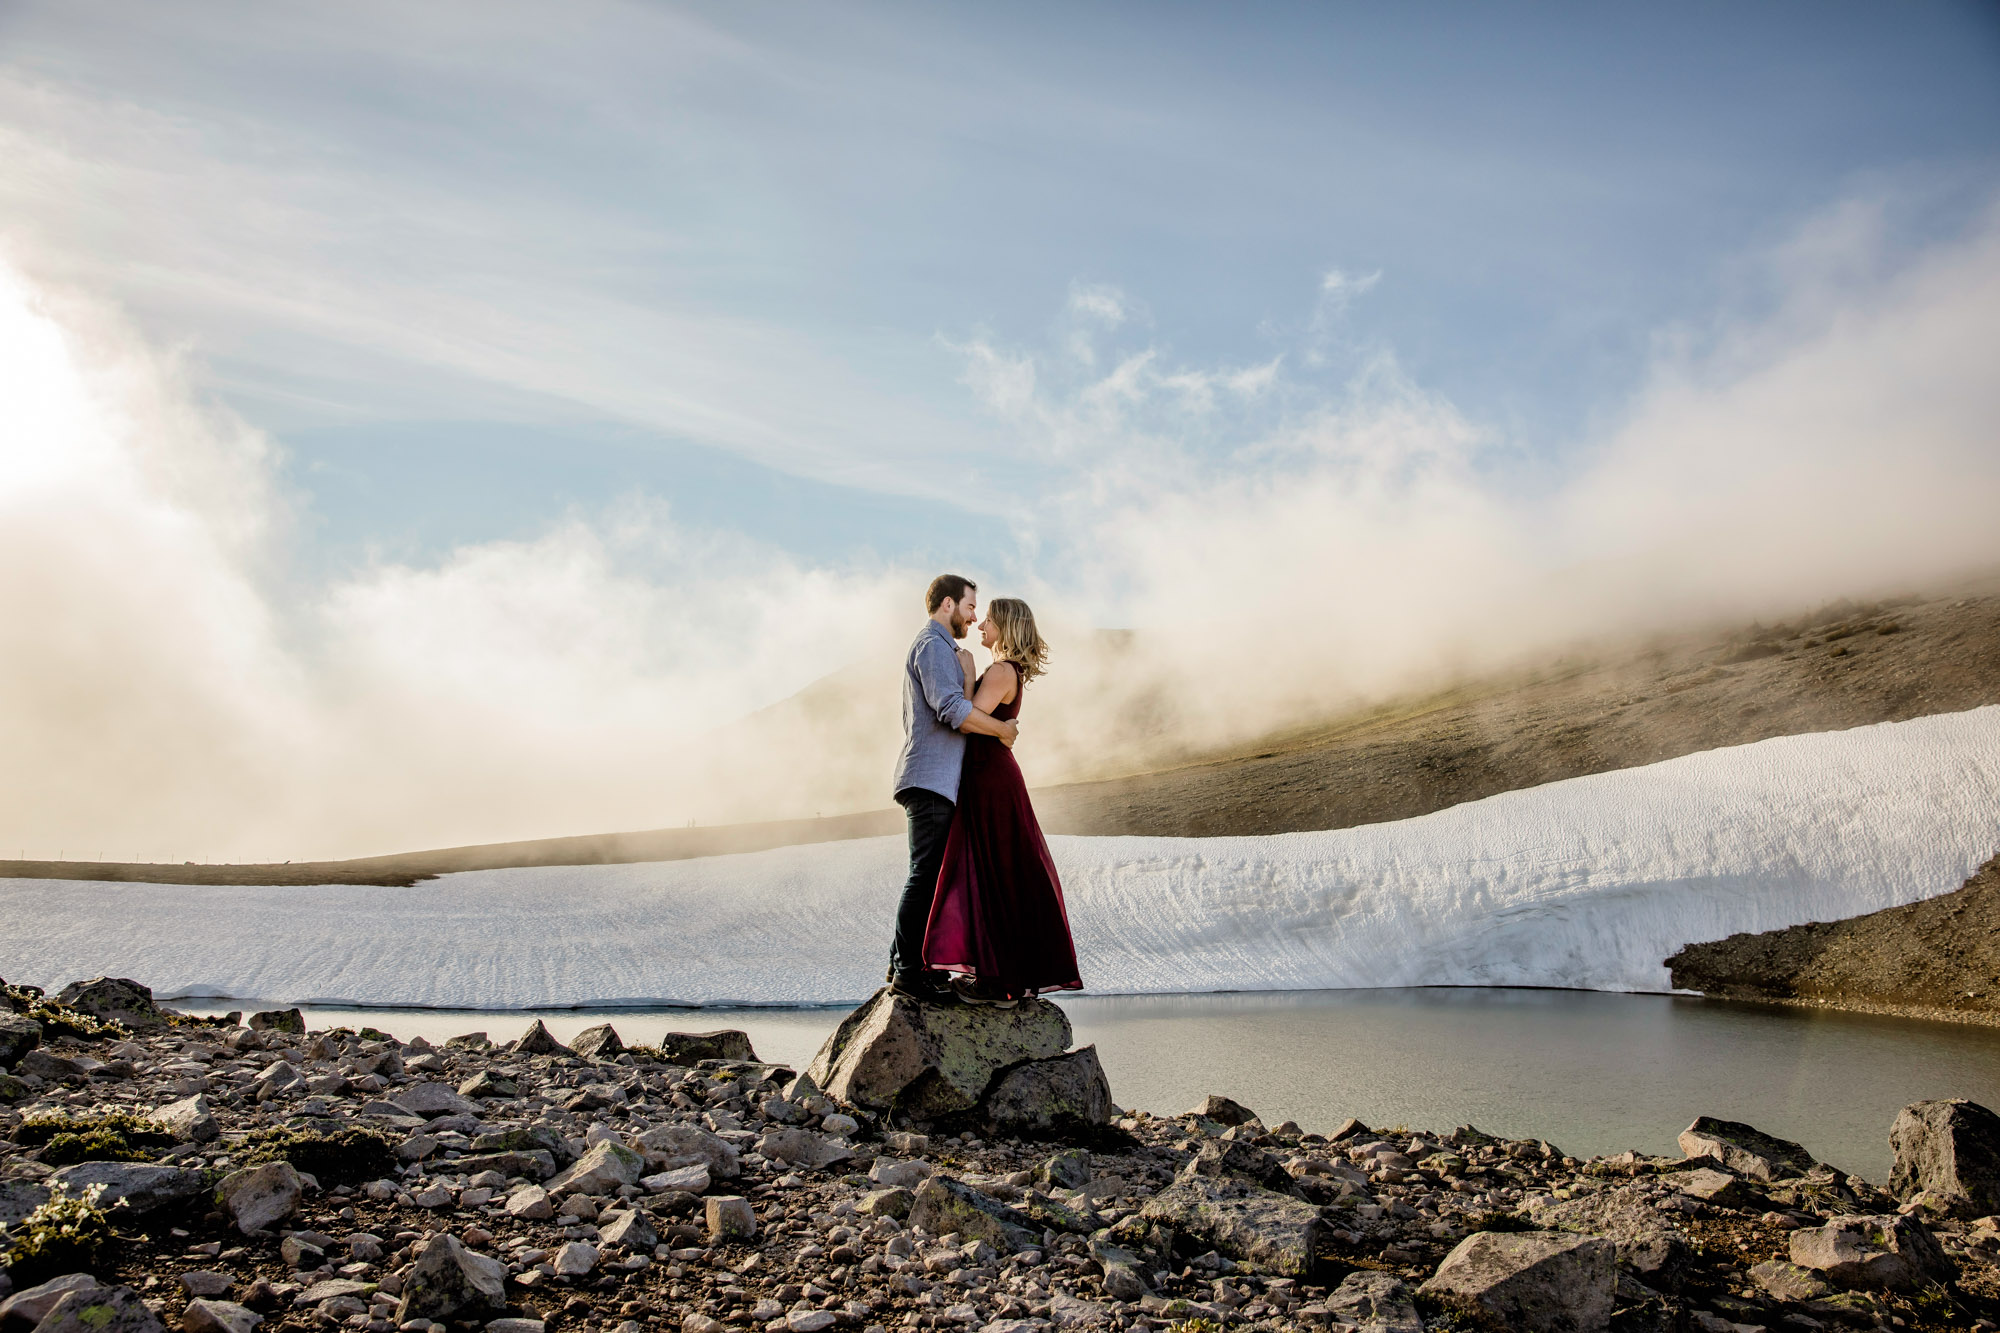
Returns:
(1646, 1241)
(25, 1309)
(1044, 1094)
(18, 1036)
(1539, 1281)
(1234, 1159)
(930, 1060)
(538, 1040)
(451, 1282)
(598, 1043)
(1949, 1149)
(1250, 1224)
(115, 999)
(1890, 1253)
(134, 1187)
(691, 1048)
(1744, 1149)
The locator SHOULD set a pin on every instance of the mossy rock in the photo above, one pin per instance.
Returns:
(343, 1157)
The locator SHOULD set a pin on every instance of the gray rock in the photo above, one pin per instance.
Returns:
(299, 1252)
(730, 1218)
(1235, 1160)
(1889, 1253)
(18, 1036)
(1044, 1094)
(1068, 1169)
(1710, 1186)
(1223, 1111)
(208, 1281)
(1374, 1303)
(332, 1289)
(515, 1326)
(134, 1187)
(535, 1165)
(530, 1203)
(28, 1308)
(1745, 1150)
(684, 1179)
(670, 1146)
(689, 1048)
(942, 1205)
(841, 1126)
(48, 1065)
(1544, 1282)
(1950, 1149)
(1124, 1279)
(534, 1138)
(1790, 1282)
(892, 1174)
(1647, 1242)
(802, 1147)
(597, 1043)
(538, 1041)
(19, 1198)
(631, 1228)
(289, 1021)
(449, 1281)
(886, 1203)
(1247, 1223)
(486, 1083)
(600, 1171)
(930, 1060)
(101, 1310)
(258, 1197)
(431, 1100)
(190, 1120)
(115, 999)
(206, 1316)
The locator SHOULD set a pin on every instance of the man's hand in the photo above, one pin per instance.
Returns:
(1009, 730)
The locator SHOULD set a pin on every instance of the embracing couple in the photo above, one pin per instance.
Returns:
(982, 917)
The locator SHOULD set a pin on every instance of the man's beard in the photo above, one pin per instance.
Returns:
(958, 626)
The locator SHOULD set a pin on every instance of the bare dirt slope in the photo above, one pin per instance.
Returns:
(1939, 957)
(1616, 707)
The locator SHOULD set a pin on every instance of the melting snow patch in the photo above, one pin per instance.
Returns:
(1585, 883)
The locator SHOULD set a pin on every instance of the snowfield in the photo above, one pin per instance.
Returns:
(1587, 883)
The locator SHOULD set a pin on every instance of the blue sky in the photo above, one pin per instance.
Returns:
(474, 268)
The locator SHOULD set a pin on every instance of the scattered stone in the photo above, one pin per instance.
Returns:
(190, 1120)
(19, 1198)
(730, 1217)
(1037, 1095)
(802, 1147)
(1223, 1111)
(687, 1179)
(632, 1229)
(101, 1310)
(597, 1043)
(449, 1281)
(279, 1020)
(30, 1307)
(51, 1067)
(1245, 1222)
(886, 1203)
(18, 1036)
(600, 1171)
(133, 1187)
(670, 1146)
(431, 1100)
(530, 1203)
(114, 999)
(1890, 1253)
(1544, 1282)
(1374, 1302)
(838, 1125)
(1949, 1149)
(1745, 1150)
(892, 1174)
(515, 1326)
(206, 1316)
(575, 1259)
(537, 1041)
(486, 1083)
(942, 1206)
(1710, 1186)
(1225, 1159)
(537, 1165)
(691, 1048)
(259, 1197)
(1068, 1169)
(1790, 1282)
(208, 1282)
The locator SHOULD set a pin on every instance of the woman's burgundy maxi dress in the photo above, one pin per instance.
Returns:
(998, 913)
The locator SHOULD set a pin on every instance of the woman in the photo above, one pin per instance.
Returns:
(998, 920)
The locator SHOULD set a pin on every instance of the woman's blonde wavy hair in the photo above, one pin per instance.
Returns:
(1020, 642)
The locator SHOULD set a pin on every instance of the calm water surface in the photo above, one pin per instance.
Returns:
(1590, 1072)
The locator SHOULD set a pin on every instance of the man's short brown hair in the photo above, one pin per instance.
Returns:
(954, 586)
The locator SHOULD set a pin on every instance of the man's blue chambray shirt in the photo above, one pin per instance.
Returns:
(934, 704)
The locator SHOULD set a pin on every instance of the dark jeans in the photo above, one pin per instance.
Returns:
(930, 820)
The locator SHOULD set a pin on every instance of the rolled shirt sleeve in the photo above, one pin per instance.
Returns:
(944, 683)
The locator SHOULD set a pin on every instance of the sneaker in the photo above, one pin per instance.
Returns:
(971, 991)
(930, 987)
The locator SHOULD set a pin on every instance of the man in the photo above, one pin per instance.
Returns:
(937, 717)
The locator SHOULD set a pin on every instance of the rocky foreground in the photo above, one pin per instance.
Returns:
(936, 1167)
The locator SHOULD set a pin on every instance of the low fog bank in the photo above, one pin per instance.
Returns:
(168, 693)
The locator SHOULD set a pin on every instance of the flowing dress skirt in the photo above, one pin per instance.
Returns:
(998, 914)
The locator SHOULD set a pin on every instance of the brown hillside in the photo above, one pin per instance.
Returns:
(1847, 665)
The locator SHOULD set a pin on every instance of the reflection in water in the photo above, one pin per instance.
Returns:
(1589, 1071)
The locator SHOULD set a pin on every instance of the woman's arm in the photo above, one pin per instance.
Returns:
(1002, 679)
